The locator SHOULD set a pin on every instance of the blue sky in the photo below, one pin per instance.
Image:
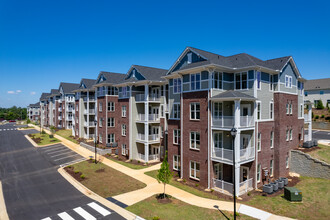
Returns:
(45, 42)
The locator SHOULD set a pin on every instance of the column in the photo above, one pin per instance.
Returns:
(87, 115)
(237, 177)
(309, 122)
(237, 113)
(146, 124)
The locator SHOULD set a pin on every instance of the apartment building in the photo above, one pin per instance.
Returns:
(84, 111)
(44, 109)
(65, 112)
(318, 89)
(53, 106)
(210, 94)
(33, 112)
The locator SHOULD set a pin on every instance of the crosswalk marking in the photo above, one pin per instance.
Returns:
(65, 216)
(9, 129)
(84, 214)
(99, 209)
(46, 218)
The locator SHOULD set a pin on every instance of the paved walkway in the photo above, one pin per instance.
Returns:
(153, 187)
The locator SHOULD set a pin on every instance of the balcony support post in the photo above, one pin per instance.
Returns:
(237, 113)
(309, 122)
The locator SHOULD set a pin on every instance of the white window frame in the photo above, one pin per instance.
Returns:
(176, 162)
(218, 144)
(195, 111)
(272, 139)
(123, 129)
(288, 81)
(271, 110)
(301, 111)
(287, 162)
(290, 105)
(193, 141)
(101, 122)
(100, 107)
(271, 83)
(287, 135)
(258, 81)
(111, 106)
(259, 141)
(218, 80)
(290, 134)
(195, 82)
(177, 83)
(259, 173)
(241, 80)
(258, 110)
(271, 167)
(189, 58)
(287, 108)
(176, 134)
(111, 122)
(194, 174)
(123, 149)
(177, 110)
(162, 115)
(123, 111)
(100, 138)
(302, 133)
(111, 136)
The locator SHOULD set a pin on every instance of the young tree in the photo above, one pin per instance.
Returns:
(164, 174)
(320, 104)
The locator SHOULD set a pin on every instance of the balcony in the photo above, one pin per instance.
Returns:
(89, 124)
(229, 121)
(59, 118)
(69, 118)
(151, 138)
(226, 155)
(90, 111)
(154, 98)
(60, 109)
(227, 188)
(151, 157)
(151, 117)
(69, 109)
(140, 97)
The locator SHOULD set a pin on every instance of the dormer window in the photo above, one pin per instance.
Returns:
(189, 55)
(133, 75)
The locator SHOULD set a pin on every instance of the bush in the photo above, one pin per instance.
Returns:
(249, 194)
(312, 114)
(139, 161)
(69, 166)
(322, 116)
(28, 121)
(196, 185)
(316, 117)
(76, 171)
(155, 218)
(43, 132)
(82, 176)
(327, 118)
(320, 104)
(184, 180)
(51, 136)
(212, 190)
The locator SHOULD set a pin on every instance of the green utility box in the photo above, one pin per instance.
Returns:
(292, 194)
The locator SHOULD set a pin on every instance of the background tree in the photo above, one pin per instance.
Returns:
(320, 104)
(164, 174)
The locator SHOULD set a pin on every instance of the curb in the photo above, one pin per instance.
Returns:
(3, 210)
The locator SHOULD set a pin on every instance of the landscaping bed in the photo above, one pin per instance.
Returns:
(133, 164)
(43, 139)
(103, 180)
(152, 209)
(321, 152)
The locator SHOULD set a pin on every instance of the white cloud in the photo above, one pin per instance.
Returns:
(11, 92)
(32, 93)
(18, 91)
(15, 92)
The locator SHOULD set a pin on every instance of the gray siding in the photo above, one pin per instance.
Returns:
(265, 96)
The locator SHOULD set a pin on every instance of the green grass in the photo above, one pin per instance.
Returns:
(150, 208)
(107, 183)
(322, 154)
(45, 139)
(66, 134)
(315, 205)
(128, 164)
(185, 187)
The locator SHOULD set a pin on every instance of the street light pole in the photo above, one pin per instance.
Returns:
(233, 133)
(95, 122)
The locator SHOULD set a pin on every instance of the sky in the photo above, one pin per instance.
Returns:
(43, 43)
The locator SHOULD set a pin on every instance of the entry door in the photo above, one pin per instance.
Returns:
(155, 92)
(154, 130)
(155, 150)
(245, 141)
(218, 171)
(245, 110)
(244, 174)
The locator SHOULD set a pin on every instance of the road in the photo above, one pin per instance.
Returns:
(320, 135)
(32, 187)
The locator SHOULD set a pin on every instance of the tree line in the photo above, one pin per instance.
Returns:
(13, 113)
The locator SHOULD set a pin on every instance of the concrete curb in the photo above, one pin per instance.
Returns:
(3, 210)
(36, 145)
(87, 192)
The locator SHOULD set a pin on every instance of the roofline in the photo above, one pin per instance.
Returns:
(232, 98)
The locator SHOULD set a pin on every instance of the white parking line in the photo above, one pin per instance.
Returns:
(315, 131)
(46, 218)
(66, 157)
(99, 209)
(60, 150)
(82, 212)
(54, 149)
(65, 216)
(72, 162)
(59, 154)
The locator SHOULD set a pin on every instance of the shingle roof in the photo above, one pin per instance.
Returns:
(88, 82)
(53, 92)
(151, 73)
(317, 84)
(231, 94)
(34, 105)
(44, 96)
(113, 78)
(69, 87)
(237, 61)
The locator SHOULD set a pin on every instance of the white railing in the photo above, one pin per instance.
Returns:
(153, 157)
(69, 109)
(141, 157)
(229, 121)
(92, 99)
(153, 117)
(154, 98)
(223, 186)
(140, 137)
(85, 99)
(247, 153)
(245, 187)
(140, 117)
(59, 117)
(227, 154)
(59, 109)
(154, 137)
(90, 124)
(69, 118)
(140, 97)
(91, 111)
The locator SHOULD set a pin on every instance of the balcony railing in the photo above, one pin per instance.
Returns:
(140, 137)
(151, 117)
(140, 117)
(154, 98)
(89, 124)
(140, 97)
(59, 117)
(150, 157)
(91, 111)
(227, 154)
(154, 137)
(69, 109)
(59, 109)
(223, 186)
(69, 118)
(90, 99)
(229, 121)
(245, 187)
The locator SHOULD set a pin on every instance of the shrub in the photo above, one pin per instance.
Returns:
(316, 117)
(184, 180)
(212, 190)
(322, 116)
(131, 160)
(312, 114)
(176, 175)
(139, 161)
(327, 118)
(51, 136)
(69, 166)
(43, 132)
(196, 185)
(327, 106)
(155, 218)
(28, 121)
(82, 176)
(320, 104)
(249, 194)
(76, 171)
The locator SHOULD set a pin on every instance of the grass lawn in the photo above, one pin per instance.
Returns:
(66, 134)
(322, 154)
(128, 164)
(45, 139)
(150, 208)
(106, 181)
(315, 205)
(185, 187)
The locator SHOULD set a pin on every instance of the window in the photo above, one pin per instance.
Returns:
(111, 122)
(123, 111)
(217, 140)
(321, 92)
(287, 162)
(189, 57)
(290, 108)
(287, 108)
(258, 80)
(100, 122)
(123, 130)
(176, 111)
(259, 173)
(271, 139)
(301, 110)
(162, 111)
(194, 140)
(100, 106)
(291, 134)
(111, 106)
(176, 162)
(111, 138)
(271, 83)
(241, 80)
(302, 133)
(258, 110)
(217, 80)
(271, 168)
(100, 138)
(271, 110)
(176, 136)
(259, 142)
(288, 81)
(194, 111)
(123, 149)
(112, 90)
(287, 134)
(194, 170)
(177, 85)
(195, 81)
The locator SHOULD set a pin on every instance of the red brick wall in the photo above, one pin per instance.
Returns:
(56, 113)
(200, 156)
(63, 114)
(173, 149)
(102, 130)
(76, 114)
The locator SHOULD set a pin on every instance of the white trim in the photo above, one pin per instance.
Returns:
(271, 139)
(178, 162)
(194, 169)
(195, 111)
(195, 82)
(179, 136)
(195, 140)
(257, 102)
(259, 150)
(271, 113)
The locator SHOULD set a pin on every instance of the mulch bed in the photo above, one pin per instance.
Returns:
(136, 162)
(305, 150)
(70, 170)
(163, 200)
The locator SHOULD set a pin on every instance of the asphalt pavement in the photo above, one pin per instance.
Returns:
(32, 187)
(319, 135)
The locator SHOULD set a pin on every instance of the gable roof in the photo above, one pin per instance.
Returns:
(317, 84)
(44, 96)
(110, 78)
(148, 73)
(35, 105)
(68, 87)
(54, 92)
(231, 94)
(233, 62)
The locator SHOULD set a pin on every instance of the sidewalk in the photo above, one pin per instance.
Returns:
(153, 187)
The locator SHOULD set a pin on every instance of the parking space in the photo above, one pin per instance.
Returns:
(60, 155)
(29, 131)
